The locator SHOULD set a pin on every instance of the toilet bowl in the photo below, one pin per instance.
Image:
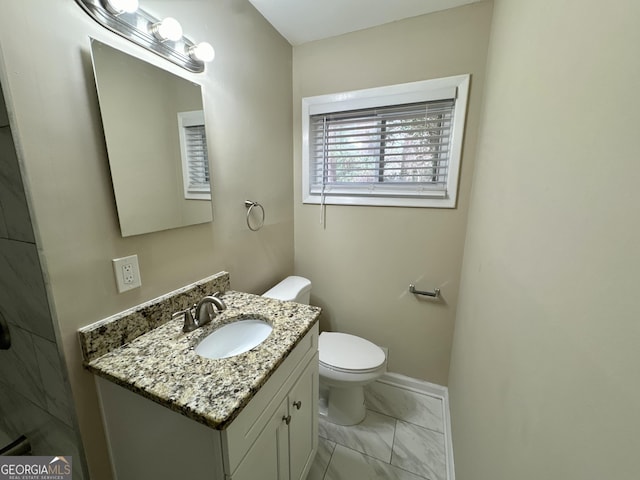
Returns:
(347, 362)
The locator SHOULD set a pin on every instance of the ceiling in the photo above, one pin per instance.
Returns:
(301, 21)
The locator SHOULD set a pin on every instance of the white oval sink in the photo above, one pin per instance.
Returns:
(234, 338)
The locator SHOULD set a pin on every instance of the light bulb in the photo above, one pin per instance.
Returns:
(203, 51)
(167, 29)
(118, 7)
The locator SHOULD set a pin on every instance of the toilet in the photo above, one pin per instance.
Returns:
(347, 362)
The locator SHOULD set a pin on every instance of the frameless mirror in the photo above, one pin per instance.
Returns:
(154, 129)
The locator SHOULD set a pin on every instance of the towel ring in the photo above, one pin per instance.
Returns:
(249, 204)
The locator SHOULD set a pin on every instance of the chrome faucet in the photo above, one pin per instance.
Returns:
(204, 312)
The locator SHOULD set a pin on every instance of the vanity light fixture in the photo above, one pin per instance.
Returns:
(203, 51)
(118, 7)
(162, 37)
(167, 29)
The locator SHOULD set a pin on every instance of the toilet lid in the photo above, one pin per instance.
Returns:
(347, 352)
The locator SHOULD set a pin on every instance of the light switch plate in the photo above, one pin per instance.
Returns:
(127, 273)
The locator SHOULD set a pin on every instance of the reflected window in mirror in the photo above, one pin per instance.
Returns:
(193, 151)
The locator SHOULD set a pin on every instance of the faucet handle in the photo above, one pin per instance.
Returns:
(189, 323)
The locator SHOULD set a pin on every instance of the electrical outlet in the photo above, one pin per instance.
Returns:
(127, 273)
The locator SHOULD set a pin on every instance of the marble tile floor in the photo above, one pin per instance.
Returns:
(402, 437)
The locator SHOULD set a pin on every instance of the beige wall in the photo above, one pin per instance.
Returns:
(362, 263)
(52, 100)
(545, 370)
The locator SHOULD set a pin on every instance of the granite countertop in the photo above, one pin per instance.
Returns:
(162, 365)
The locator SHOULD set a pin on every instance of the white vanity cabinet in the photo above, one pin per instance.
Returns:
(275, 436)
(286, 446)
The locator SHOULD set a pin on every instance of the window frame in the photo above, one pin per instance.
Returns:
(422, 91)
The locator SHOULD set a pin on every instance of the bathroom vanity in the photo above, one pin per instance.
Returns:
(170, 413)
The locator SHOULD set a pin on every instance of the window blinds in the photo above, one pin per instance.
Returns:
(396, 150)
(197, 160)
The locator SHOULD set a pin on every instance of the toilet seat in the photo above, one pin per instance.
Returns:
(346, 353)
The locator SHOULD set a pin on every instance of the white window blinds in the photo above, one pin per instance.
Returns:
(395, 145)
(195, 161)
(396, 150)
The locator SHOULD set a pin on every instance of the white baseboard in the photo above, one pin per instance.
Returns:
(414, 384)
(438, 391)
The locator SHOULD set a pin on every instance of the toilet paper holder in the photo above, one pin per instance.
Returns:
(434, 294)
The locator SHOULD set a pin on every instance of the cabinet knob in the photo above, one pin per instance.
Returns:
(287, 419)
(298, 404)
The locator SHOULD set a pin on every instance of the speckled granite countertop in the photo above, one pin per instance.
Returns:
(162, 365)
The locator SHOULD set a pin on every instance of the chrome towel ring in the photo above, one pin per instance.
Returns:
(250, 204)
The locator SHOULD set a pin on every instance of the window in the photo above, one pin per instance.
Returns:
(394, 146)
(193, 150)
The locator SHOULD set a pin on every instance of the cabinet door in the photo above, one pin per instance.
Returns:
(303, 428)
(268, 457)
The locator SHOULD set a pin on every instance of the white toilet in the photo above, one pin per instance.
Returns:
(347, 362)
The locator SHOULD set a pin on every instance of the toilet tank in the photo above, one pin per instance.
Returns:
(291, 289)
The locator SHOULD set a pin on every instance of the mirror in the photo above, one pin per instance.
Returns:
(154, 129)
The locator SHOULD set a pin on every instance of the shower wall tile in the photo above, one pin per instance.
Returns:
(57, 393)
(23, 299)
(47, 434)
(4, 233)
(4, 117)
(35, 399)
(12, 194)
(19, 368)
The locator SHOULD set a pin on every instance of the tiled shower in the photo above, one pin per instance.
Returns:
(35, 397)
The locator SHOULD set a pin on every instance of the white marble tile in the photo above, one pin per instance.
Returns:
(23, 299)
(12, 195)
(419, 450)
(373, 437)
(19, 368)
(47, 435)
(57, 392)
(347, 464)
(420, 409)
(321, 462)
